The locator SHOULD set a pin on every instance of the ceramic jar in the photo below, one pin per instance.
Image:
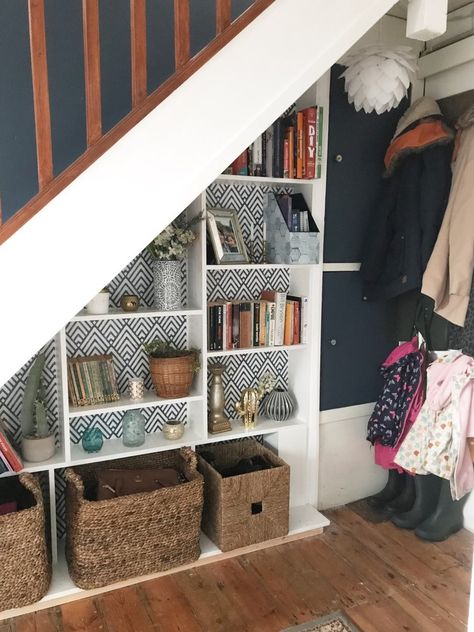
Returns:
(136, 388)
(173, 429)
(167, 282)
(279, 405)
(92, 440)
(99, 304)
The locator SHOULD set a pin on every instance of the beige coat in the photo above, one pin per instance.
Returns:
(449, 273)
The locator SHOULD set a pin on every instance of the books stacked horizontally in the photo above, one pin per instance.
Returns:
(91, 380)
(290, 148)
(9, 459)
(273, 320)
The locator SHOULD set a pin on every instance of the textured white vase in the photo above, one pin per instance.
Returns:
(167, 281)
(99, 304)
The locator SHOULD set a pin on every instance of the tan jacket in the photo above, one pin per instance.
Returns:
(448, 275)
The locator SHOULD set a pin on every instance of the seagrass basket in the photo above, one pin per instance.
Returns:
(24, 559)
(172, 377)
(111, 540)
(248, 508)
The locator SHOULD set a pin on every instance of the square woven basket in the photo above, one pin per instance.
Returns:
(248, 508)
(24, 557)
(111, 540)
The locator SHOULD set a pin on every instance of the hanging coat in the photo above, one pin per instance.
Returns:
(448, 276)
(405, 224)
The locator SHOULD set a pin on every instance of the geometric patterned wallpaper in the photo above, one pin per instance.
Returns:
(111, 423)
(245, 284)
(247, 200)
(123, 339)
(244, 371)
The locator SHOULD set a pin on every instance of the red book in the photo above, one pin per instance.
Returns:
(10, 454)
(299, 145)
(240, 165)
(245, 341)
(309, 135)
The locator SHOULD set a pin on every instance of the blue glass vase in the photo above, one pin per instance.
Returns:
(133, 429)
(92, 440)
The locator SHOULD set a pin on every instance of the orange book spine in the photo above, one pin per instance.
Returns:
(288, 335)
(10, 454)
(299, 145)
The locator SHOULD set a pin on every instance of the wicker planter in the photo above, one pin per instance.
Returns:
(172, 377)
(24, 559)
(110, 540)
(246, 509)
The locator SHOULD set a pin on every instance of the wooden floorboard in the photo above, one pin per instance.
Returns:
(384, 579)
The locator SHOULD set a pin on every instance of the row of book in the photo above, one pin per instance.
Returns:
(9, 459)
(296, 212)
(91, 380)
(273, 320)
(290, 148)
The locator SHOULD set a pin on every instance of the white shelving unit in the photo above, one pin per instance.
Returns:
(296, 440)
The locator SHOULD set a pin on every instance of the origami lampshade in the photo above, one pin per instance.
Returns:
(377, 78)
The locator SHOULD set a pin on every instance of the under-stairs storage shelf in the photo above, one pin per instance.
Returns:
(122, 334)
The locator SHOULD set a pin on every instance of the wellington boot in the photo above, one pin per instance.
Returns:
(404, 501)
(446, 519)
(427, 488)
(392, 489)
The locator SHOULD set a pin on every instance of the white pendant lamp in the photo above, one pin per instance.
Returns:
(377, 78)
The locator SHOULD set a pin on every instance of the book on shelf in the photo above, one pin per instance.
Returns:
(310, 150)
(91, 380)
(240, 164)
(272, 320)
(319, 140)
(10, 457)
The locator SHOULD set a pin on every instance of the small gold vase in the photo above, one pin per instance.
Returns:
(129, 302)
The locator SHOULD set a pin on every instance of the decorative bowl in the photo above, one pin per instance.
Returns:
(173, 429)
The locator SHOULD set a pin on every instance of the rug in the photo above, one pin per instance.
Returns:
(334, 622)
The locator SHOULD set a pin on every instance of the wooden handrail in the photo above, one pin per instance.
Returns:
(97, 146)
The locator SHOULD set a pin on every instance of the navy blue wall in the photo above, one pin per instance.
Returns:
(18, 170)
(160, 41)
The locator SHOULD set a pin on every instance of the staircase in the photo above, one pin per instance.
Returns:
(88, 221)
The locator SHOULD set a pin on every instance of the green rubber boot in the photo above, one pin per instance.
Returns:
(446, 519)
(427, 488)
(392, 489)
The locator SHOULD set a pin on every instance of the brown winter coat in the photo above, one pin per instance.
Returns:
(448, 276)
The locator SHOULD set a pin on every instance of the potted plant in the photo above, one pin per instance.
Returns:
(168, 250)
(37, 443)
(172, 370)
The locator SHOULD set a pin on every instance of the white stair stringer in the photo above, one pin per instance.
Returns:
(53, 265)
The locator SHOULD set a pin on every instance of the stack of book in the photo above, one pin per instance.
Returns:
(273, 320)
(9, 459)
(290, 148)
(91, 380)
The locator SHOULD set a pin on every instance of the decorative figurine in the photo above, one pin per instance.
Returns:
(247, 406)
(217, 421)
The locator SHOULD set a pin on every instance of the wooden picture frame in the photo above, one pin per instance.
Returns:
(225, 234)
(91, 380)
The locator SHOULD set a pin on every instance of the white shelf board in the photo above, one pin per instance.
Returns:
(149, 400)
(144, 312)
(114, 448)
(56, 461)
(262, 426)
(214, 354)
(302, 518)
(262, 266)
(224, 177)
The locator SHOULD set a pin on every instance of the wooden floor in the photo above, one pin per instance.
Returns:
(384, 578)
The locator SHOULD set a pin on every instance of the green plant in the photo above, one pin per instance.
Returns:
(33, 417)
(164, 349)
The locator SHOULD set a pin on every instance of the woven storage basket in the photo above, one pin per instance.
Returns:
(172, 377)
(24, 561)
(110, 540)
(245, 509)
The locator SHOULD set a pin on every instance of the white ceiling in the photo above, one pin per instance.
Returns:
(400, 9)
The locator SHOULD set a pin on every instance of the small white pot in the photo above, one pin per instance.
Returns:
(36, 450)
(99, 304)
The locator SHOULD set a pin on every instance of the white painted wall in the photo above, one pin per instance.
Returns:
(53, 265)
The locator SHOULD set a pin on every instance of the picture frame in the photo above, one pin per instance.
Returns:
(225, 234)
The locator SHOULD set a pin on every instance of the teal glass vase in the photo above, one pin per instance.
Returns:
(133, 429)
(92, 440)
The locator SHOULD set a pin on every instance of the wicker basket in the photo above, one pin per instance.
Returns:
(24, 560)
(110, 540)
(172, 377)
(246, 509)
